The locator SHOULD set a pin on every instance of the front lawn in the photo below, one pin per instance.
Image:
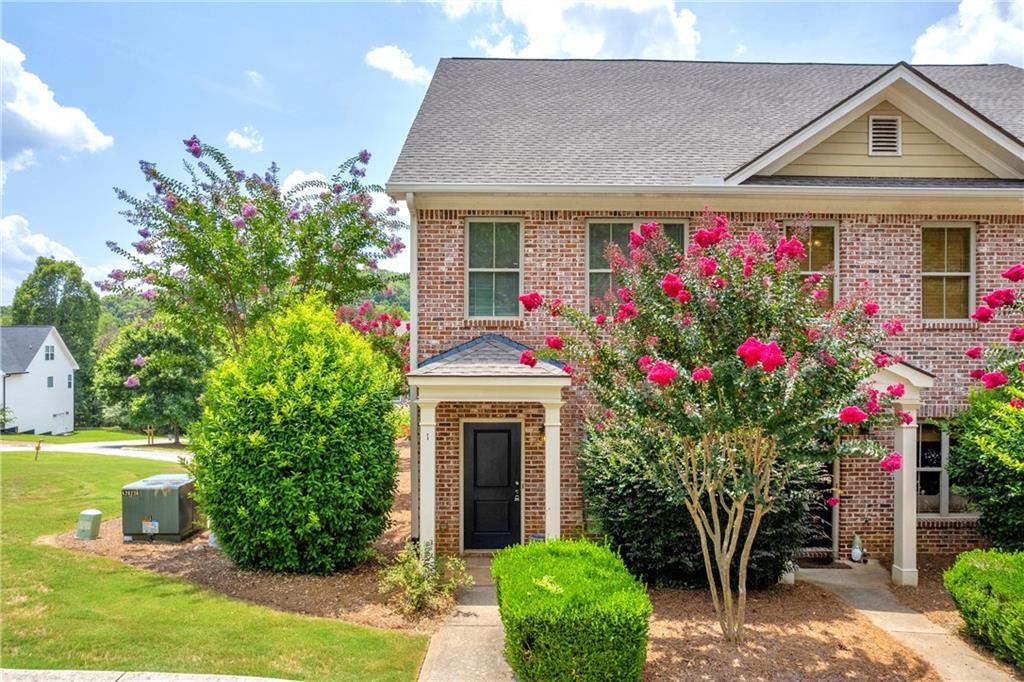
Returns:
(67, 610)
(80, 436)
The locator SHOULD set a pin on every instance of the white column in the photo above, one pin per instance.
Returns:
(428, 473)
(552, 470)
(414, 463)
(904, 551)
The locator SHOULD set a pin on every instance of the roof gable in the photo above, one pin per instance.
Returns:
(486, 355)
(20, 344)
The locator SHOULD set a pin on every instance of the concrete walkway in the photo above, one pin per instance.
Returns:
(12, 675)
(866, 588)
(117, 448)
(468, 648)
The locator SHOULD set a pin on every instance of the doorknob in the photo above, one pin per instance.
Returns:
(516, 494)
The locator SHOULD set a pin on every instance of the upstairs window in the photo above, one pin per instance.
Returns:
(600, 282)
(934, 494)
(49, 382)
(494, 270)
(48, 352)
(821, 245)
(885, 136)
(947, 272)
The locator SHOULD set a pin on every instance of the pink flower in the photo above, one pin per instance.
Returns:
(601, 319)
(527, 359)
(812, 335)
(993, 380)
(772, 357)
(1015, 273)
(976, 373)
(644, 363)
(599, 426)
(625, 293)
(881, 360)
(819, 294)
(554, 342)
(149, 294)
(896, 390)
(893, 327)
(1000, 297)
(636, 240)
(1017, 403)
(170, 202)
(833, 501)
(1017, 334)
(684, 296)
(662, 373)
(671, 284)
(756, 243)
(248, 210)
(892, 462)
(870, 308)
(131, 382)
(701, 374)
(748, 266)
(293, 280)
(905, 417)
(852, 415)
(531, 301)
(568, 369)
(706, 238)
(983, 314)
(973, 353)
(556, 306)
(750, 350)
(626, 311)
(708, 266)
(139, 361)
(117, 275)
(238, 222)
(791, 248)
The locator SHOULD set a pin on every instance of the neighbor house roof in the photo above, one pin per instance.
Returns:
(649, 123)
(486, 355)
(19, 345)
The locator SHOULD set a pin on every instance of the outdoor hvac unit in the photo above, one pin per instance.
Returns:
(159, 508)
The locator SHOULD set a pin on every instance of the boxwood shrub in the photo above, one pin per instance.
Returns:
(988, 589)
(571, 611)
(295, 460)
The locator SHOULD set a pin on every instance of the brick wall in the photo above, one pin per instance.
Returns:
(884, 250)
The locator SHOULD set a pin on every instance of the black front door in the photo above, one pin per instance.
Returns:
(491, 493)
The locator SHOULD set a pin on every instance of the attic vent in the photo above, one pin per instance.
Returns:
(884, 133)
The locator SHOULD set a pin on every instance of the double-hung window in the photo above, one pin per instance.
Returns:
(821, 244)
(934, 495)
(494, 267)
(49, 382)
(71, 380)
(947, 271)
(602, 233)
(48, 352)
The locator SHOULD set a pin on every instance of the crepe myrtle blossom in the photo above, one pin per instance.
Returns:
(149, 294)
(870, 308)
(526, 358)
(662, 373)
(976, 373)
(791, 248)
(131, 382)
(905, 417)
(644, 363)
(983, 314)
(708, 265)
(833, 501)
(852, 414)
(193, 146)
(896, 390)
(531, 301)
(893, 327)
(671, 284)
(238, 222)
(1017, 403)
(600, 319)
(1017, 334)
(554, 342)
(974, 352)
(993, 380)
(568, 369)
(116, 275)
(892, 462)
(999, 298)
(1015, 273)
(555, 306)
(701, 374)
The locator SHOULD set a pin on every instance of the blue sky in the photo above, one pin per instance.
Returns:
(89, 90)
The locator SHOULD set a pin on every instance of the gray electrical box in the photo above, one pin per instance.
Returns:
(159, 508)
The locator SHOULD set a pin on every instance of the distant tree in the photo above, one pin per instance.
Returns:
(118, 311)
(152, 375)
(394, 297)
(55, 293)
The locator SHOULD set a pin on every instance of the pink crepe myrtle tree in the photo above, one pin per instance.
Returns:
(717, 370)
(387, 331)
(223, 249)
(1000, 366)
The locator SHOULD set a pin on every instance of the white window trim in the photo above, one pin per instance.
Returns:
(971, 276)
(636, 223)
(943, 470)
(49, 382)
(835, 225)
(899, 134)
(466, 270)
(49, 353)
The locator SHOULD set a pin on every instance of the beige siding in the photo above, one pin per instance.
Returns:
(925, 155)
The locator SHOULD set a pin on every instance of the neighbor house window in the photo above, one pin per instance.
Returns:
(600, 282)
(71, 380)
(934, 495)
(48, 353)
(49, 382)
(947, 272)
(821, 244)
(494, 270)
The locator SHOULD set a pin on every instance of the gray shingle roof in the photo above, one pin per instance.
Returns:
(19, 345)
(594, 122)
(486, 355)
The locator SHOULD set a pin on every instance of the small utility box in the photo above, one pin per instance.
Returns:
(89, 524)
(159, 508)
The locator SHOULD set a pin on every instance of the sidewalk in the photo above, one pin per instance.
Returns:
(866, 588)
(468, 648)
(12, 675)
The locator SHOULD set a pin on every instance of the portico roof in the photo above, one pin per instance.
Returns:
(488, 355)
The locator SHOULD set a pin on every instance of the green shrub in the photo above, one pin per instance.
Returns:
(988, 588)
(295, 459)
(423, 581)
(986, 465)
(571, 611)
(656, 536)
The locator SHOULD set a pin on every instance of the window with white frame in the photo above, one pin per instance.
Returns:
(600, 234)
(934, 495)
(494, 268)
(49, 382)
(48, 352)
(947, 271)
(821, 245)
(71, 380)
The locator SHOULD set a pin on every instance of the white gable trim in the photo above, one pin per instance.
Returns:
(929, 105)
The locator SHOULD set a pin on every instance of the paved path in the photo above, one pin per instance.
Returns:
(866, 588)
(117, 448)
(468, 648)
(12, 675)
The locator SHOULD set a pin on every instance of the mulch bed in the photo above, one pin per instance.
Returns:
(794, 632)
(350, 595)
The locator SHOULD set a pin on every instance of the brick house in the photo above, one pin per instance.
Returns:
(517, 172)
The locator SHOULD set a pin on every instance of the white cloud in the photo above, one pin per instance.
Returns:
(33, 120)
(981, 31)
(740, 49)
(255, 77)
(397, 62)
(297, 176)
(20, 247)
(651, 29)
(456, 9)
(249, 139)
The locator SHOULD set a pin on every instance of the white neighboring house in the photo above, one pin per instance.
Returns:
(38, 380)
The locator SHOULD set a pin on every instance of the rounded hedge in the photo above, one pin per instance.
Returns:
(295, 460)
(656, 537)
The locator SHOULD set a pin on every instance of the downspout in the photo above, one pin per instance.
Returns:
(414, 430)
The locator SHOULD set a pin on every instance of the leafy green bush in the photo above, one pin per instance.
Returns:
(657, 538)
(988, 588)
(987, 465)
(423, 581)
(571, 611)
(295, 459)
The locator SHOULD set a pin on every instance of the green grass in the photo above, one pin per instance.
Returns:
(81, 436)
(62, 609)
